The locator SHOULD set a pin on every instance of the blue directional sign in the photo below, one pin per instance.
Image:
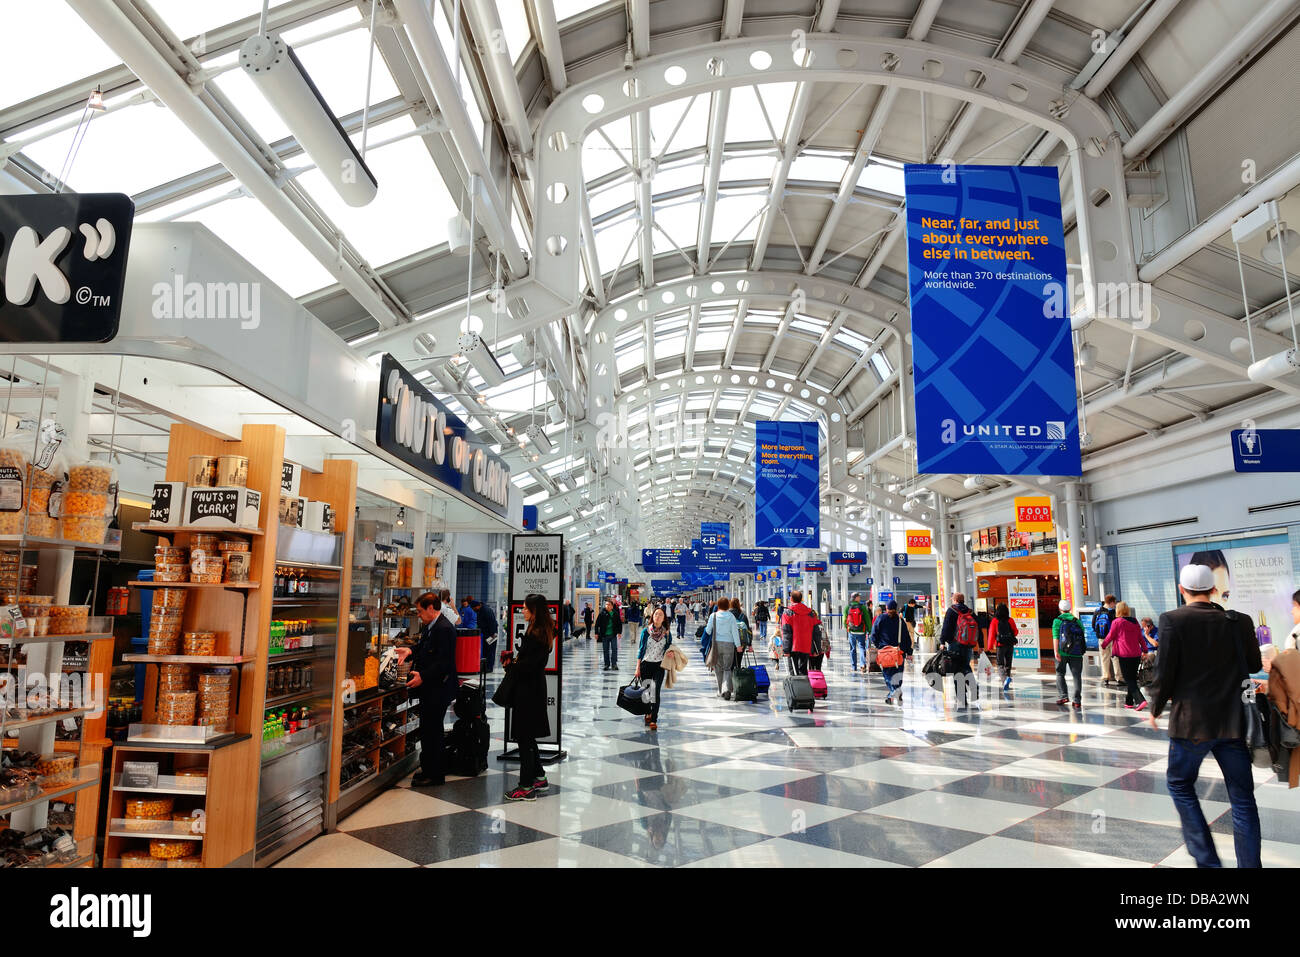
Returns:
(871, 581)
(593, 584)
(897, 580)
(848, 558)
(716, 534)
(900, 559)
(855, 569)
(722, 560)
(814, 566)
(885, 597)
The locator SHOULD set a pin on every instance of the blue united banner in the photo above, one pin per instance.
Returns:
(991, 347)
(787, 485)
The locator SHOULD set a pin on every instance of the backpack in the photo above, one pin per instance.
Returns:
(855, 618)
(1100, 623)
(968, 629)
(1073, 643)
(1007, 634)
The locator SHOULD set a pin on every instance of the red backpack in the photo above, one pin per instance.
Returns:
(855, 617)
(968, 629)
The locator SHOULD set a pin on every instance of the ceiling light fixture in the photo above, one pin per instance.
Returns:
(276, 70)
(401, 517)
(96, 101)
(480, 356)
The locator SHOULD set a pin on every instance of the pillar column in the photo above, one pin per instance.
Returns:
(1074, 532)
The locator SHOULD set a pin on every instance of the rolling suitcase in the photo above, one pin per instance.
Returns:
(744, 685)
(762, 681)
(818, 682)
(798, 692)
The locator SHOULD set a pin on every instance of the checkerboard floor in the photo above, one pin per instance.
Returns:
(1012, 781)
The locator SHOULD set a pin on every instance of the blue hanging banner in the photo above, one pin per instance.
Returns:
(787, 478)
(715, 534)
(988, 289)
(814, 566)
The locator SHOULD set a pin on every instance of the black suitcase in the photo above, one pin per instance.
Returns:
(467, 747)
(798, 692)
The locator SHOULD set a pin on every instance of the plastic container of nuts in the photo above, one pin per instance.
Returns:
(200, 643)
(142, 814)
(206, 568)
(163, 644)
(88, 531)
(169, 599)
(68, 619)
(38, 626)
(168, 850)
(171, 572)
(139, 858)
(56, 769)
(90, 478)
(170, 554)
(175, 678)
(192, 860)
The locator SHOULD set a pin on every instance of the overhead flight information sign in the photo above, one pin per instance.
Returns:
(987, 283)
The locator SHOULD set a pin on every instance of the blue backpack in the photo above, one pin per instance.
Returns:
(1071, 638)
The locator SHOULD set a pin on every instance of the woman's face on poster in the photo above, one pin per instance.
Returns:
(1222, 585)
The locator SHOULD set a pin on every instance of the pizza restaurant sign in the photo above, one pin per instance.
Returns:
(413, 425)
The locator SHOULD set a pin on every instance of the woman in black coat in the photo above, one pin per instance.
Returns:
(528, 719)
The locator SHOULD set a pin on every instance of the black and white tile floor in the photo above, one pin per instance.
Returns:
(1014, 781)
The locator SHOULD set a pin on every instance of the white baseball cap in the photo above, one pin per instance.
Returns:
(1196, 578)
(1064, 605)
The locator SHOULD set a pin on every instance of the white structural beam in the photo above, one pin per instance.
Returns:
(548, 28)
(491, 46)
(1129, 46)
(177, 95)
(1240, 47)
(823, 22)
(494, 210)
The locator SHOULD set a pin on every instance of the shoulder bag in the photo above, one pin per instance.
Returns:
(504, 696)
(1252, 722)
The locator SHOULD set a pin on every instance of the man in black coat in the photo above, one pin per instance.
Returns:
(433, 672)
(487, 626)
(1205, 657)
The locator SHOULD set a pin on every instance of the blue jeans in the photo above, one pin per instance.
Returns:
(892, 684)
(609, 646)
(762, 628)
(681, 626)
(1185, 757)
(857, 639)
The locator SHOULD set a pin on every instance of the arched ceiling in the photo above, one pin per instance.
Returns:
(790, 180)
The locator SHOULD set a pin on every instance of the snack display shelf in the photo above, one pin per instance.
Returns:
(370, 697)
(353, 784)
(83, 855)
(290, 698)
(397, 737)
(233, 586)
(299, 603)
(279, 747)
(178, 830)
(308, 654)
(316, 565)
(191, 658)
(84, 777)
(31, 542)
(167, 784)
(153, 529)
(48, 639)
(17, 724)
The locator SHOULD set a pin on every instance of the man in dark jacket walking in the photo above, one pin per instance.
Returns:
(1206, 657)
(487, 626)
(609, 623)
(433, 673)
(959, 622)
(891, 631)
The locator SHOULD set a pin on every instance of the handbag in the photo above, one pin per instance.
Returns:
(890, 656)
(504, 696)
(633, 703)
(1253, 732)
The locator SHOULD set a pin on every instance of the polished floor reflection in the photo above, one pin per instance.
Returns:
(1013, 781)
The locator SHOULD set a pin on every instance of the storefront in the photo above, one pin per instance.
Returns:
(260, 530)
